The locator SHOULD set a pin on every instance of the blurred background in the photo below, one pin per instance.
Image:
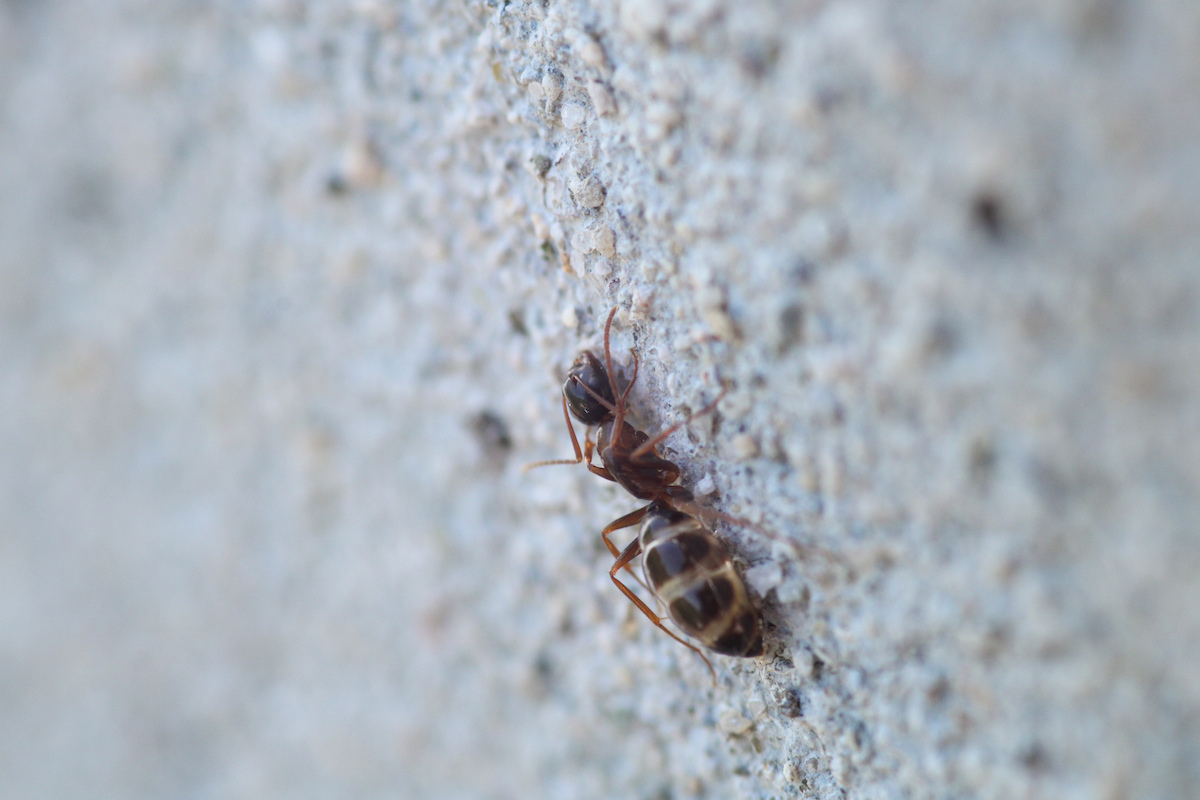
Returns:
(287, 292)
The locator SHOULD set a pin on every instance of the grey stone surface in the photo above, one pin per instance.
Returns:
(287, 290)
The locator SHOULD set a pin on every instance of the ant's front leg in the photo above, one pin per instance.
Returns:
(584, 455)
(574, 443)
(588, 449)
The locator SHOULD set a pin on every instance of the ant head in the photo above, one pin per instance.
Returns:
(588, 390)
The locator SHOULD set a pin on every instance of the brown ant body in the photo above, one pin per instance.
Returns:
(685, 566)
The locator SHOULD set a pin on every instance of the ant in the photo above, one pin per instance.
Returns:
(686, 567)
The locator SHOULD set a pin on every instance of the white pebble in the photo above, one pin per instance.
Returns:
(591, 52)
(570, 319)
(704, 487)
(744, 447)
(639, 304)
(361, 166)
(668, 156)
(662, 118)
(551, 86)
(572, 115)
(588, 192)
(606, 242)
(583, 240)
(601, 268)
(602, 98)
(577, 262)
(790, 592)
(644, 18)
(733, 722)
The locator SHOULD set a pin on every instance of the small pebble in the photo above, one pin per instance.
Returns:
(551, 87)
(791, 591)
(361, 166)
(588, 192)
(606, 242)
(602, 98)
(639, 304)
(744, 447)
(584, 240)
(601, 268)
(733, 722)
(591, 52)
(661, 119)
(572, 115)
(577, 261)
(644, 18)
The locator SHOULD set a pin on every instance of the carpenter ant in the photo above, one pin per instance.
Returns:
(686, 567)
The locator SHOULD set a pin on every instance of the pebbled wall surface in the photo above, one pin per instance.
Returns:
(287, 291)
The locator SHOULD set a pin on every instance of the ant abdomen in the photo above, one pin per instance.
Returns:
(692, 574)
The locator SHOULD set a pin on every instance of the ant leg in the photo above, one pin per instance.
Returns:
(608, 353)
(627, 521)
(631, 552)
(574, 443)
(649, 445)
(584, 455)
(588, 448)
(632, 380)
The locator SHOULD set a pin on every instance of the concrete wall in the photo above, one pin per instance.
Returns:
(287, 291)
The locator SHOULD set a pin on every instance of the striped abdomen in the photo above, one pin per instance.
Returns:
(691, 572)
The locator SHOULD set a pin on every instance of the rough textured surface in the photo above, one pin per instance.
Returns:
(287, 290)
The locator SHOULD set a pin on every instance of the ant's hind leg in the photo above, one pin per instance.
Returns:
(631, 552)
(627, 521)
